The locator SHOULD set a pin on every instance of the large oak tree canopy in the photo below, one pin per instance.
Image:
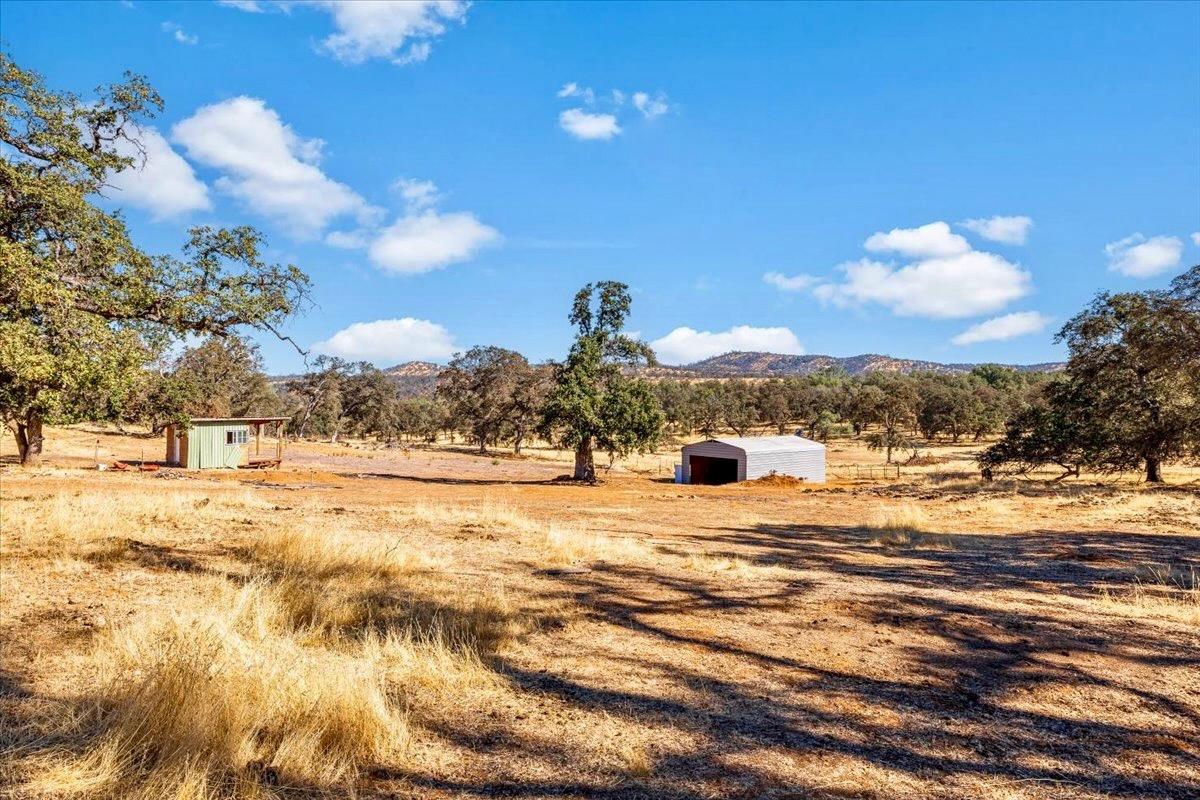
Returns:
(82, 308)
(593, 404)
(1130, 395)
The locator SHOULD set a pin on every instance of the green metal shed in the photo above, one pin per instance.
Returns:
(223, 442)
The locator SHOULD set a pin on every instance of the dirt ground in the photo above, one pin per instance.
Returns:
(1025, 639)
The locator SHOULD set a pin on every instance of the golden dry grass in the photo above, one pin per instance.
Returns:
(401, 638)
(907, 526)
(302, 676)
(563, 545)
(330, 550)
(1158, 591)
(483, 517)
(217, 702)
(98, 524)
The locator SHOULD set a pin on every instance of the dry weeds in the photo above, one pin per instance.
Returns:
(307, 673)
(1158, 591)
(376, 637)
(566, 544)
(487, 517)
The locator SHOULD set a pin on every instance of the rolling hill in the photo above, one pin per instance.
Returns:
(777, 365)
(420, 377)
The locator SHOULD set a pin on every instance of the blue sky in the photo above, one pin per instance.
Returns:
(784, 177)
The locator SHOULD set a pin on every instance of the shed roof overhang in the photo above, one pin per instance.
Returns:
(248, 420)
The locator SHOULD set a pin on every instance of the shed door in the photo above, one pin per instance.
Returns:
(211, 455)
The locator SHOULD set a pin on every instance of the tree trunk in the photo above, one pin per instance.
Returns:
(28, 433)
(585, 466)
(517, 444)
(1153, 471)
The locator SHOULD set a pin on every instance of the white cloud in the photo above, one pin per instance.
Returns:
(960, 285)
(585, 125)
(594, 124)
(422, 238)
(395, 30)
(1196, 239)
(348, 240)
(789, 283)
(159, 181)
(1139, 257)
(685, 345)
(179, 34)
(267, 165)
(573, 89)
(380, 29)
(650, 107)
(416, 193)
(946, 278)
(933, 240)
(998, 329)
(427, 240)
(1006, 230)
(390, 341)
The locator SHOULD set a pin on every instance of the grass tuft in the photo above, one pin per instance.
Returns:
(224, 702)
(564, 545)
(1159, 591)
(908, 527)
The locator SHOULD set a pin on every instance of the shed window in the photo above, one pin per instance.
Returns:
(237, 437)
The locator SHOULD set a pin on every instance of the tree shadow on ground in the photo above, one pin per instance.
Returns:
(995, 695)
(960, 712)
(1074, 563)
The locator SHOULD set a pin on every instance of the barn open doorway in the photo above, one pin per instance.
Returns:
(713, 471)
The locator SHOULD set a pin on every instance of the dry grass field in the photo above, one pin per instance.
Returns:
(430, 623)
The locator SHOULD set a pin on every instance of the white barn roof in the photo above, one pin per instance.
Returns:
(770, 444)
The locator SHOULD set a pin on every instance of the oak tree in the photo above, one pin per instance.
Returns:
(82, 307)
(593, 403)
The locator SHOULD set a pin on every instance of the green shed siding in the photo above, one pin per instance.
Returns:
(207, 448)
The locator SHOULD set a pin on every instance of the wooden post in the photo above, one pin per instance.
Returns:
(258, 438)
(280, 427)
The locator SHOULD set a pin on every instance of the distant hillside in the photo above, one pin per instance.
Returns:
(420, 377)
(777, 365)
(415, 377)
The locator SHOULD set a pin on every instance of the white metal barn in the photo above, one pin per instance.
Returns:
(748, 457)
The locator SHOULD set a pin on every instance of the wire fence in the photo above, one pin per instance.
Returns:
(865, 472)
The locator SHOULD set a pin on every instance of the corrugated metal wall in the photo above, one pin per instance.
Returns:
(808, 464)
(207, 448)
